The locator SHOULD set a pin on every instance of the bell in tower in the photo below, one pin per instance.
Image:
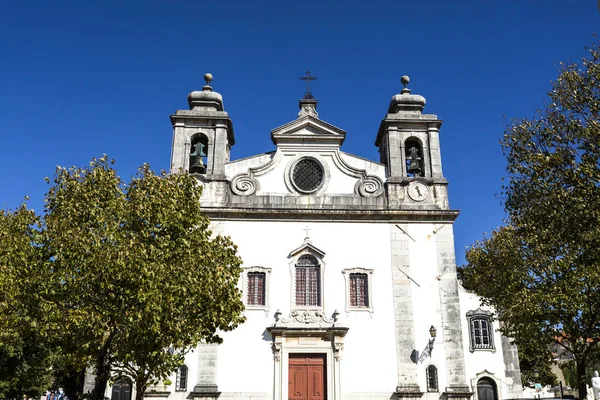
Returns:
(197, 158)
(414, 161)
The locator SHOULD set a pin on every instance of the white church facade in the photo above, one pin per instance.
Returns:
(349, 276)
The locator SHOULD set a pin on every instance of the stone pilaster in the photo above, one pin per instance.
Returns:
(206, 379)
(435, 156)
(407, 386)
(512, 370)
(451, 317)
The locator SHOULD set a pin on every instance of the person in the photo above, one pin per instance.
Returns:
(596, 385)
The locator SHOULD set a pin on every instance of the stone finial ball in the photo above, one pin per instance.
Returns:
(208, 78)
(405, 80)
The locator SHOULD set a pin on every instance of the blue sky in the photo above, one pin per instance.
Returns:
(83, 78)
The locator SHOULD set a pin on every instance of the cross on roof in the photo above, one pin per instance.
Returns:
(306, 230)
(308, 78)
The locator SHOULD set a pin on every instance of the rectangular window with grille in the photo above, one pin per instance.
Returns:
(181, 383)
(481, 333)
(359, 295)
(308, 285)
(256, 288)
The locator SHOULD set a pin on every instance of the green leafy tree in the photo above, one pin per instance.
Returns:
(128, 271)
(542, 271)
(26, 354)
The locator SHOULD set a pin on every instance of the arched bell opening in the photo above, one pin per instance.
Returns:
(198, 157)
(413, 152)
(486, 389)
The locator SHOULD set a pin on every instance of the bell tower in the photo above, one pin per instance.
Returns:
(202, 135)
(409, 147)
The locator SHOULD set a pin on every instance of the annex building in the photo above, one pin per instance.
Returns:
(349, 266)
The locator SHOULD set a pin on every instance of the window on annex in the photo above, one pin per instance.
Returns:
(181, 381)
(432, 378)
(256, 288)
(308, 282)
(481, 330)
(358, 289)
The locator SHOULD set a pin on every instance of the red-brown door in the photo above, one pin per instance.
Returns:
(306, 377)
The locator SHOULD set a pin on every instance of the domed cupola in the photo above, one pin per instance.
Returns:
(205, 100)
(405, 101)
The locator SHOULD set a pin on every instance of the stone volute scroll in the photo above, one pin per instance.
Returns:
(370, 186)
(243, 185)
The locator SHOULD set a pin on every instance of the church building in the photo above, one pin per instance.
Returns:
(349, 276)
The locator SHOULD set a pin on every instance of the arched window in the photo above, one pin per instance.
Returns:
(413, 152)
(308, 281)
(198, 153)
(181, 382)
(432, 378)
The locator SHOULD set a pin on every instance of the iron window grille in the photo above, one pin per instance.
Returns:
(308, 282)
(359, 290)
(307, 175)
(181, 381)
(481, 333)
(432, 378)
(256, 288)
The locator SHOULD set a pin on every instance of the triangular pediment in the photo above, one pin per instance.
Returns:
(307, 246)
(308, 129)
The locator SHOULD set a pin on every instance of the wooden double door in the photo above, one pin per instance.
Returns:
(121, 390)
(306, 377)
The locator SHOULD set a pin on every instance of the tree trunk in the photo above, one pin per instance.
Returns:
(581, 384)
(140, 388)
(103, 366)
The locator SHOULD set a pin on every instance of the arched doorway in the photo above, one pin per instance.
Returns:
(486, 389)
(121, 390)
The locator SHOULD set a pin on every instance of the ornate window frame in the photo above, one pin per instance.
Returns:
(481, 315)
(267, 272)
(369, 272)
(321, 264)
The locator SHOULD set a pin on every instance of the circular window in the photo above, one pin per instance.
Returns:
(307, 175)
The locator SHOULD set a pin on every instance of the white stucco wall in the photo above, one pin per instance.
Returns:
(246, 352)
(479, 363)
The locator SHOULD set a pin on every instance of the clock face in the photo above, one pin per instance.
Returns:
(418, 191)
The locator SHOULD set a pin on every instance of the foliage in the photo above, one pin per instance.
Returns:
(127, 271)
(25, 356)
(536, 365)
(542, 271)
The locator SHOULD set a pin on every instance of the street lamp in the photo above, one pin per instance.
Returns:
(428, 347)
(433, 334)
